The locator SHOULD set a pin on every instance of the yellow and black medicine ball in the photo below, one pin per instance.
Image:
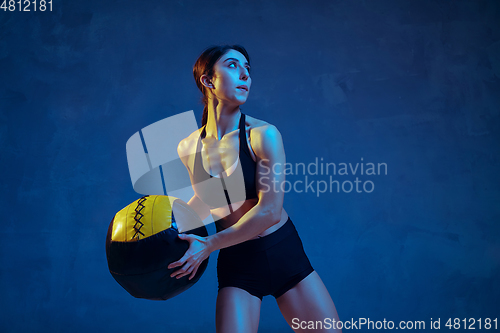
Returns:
(142, 241)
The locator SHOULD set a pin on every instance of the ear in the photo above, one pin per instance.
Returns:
(206, 81)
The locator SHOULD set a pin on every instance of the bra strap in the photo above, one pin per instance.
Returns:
(243, 135)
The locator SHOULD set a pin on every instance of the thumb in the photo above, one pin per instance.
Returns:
(186, 237)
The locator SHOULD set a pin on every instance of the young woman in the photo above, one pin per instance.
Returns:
(260, 251)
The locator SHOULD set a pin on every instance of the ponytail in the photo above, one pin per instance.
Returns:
(204, 117)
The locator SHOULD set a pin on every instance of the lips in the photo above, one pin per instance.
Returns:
(244, 87)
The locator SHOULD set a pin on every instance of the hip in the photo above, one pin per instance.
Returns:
(254, 245)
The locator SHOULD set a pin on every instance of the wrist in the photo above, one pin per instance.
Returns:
(212, 243)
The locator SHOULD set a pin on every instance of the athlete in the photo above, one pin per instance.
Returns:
(260, 251)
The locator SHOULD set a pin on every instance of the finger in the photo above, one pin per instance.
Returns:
(187, 271)
(175, 264)
(181, 271)
(194, 272)
(177, 273)
(188, 237)
(183, 275)
(180, 275)
(174, 274)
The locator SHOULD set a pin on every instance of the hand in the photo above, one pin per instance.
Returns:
(197, 252)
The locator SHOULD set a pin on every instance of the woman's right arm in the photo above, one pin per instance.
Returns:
(201, 208)
(198, 249)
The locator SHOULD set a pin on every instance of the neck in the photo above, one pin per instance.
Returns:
(221, 120)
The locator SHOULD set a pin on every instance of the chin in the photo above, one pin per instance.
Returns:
(242, 100)
(239, 101)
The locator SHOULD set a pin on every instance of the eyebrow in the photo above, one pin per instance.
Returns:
(246, 63)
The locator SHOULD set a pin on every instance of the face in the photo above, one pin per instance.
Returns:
(230, 72)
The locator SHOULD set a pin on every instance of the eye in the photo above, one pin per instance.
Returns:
(234, 63)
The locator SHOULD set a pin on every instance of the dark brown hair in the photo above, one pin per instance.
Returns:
(205, 66)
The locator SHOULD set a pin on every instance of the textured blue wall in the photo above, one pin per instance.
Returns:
(413, 84)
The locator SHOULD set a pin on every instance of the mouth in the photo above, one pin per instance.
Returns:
(242, 88)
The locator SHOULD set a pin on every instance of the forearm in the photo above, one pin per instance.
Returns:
(255, 221)
(197, 205)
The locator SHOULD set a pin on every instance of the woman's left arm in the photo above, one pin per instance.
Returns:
(267, 145)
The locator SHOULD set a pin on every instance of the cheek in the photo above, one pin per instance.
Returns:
(224, 82)
(224, 88)
(226, 85)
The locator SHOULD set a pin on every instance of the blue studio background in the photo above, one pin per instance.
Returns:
(412, 84)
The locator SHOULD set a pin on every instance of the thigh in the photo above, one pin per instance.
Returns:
(237, 311)
(309, 300)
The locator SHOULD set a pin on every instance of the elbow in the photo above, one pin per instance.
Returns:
(273, 215)
(198, 206)
(276, 217)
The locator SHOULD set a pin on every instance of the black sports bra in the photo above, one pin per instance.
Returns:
(218, 192)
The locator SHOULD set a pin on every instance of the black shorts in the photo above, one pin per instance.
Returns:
(270, 265)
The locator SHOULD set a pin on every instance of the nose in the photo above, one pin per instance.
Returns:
(245, 74)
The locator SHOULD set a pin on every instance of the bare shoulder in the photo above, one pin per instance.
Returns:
(187, 146)
(260, 127)
(264, 136)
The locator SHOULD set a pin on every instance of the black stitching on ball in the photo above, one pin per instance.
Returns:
(138, 216)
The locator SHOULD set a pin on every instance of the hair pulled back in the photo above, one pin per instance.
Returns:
(205, 66)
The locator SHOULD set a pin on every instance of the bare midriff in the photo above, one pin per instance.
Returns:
(224, 219)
